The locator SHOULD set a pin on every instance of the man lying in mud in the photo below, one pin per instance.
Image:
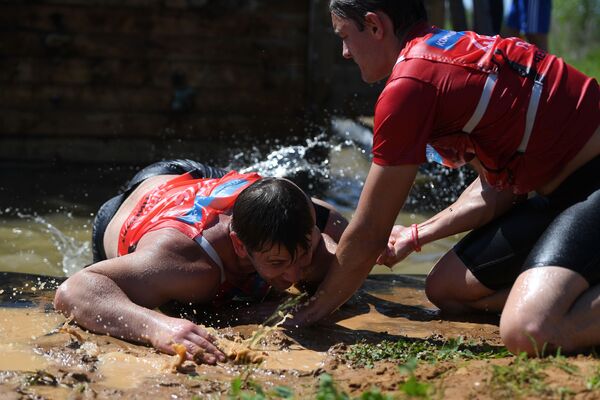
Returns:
(185, 232)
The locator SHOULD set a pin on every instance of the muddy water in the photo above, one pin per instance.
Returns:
(54, 244)
(19, 328)
(387, 307)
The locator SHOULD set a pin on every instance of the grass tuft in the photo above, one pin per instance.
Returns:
(525, 376)
(593, 382)
(365, 354)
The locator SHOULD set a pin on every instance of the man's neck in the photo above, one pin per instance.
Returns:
(219, 238)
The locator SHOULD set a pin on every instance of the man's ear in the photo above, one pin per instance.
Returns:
(374, 24)
(238, 246)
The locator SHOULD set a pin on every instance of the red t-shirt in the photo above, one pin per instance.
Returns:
(430, 100)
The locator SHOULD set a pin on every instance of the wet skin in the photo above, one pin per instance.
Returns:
(279, 268)
(364, 46)
(118, 296)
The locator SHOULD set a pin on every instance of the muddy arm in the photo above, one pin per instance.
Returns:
(382, 198)
(117, 297)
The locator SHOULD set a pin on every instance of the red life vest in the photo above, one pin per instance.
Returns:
(184, 203)
(487, 54)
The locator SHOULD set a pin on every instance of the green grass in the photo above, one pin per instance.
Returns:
(413, 387)
(244, 388)
(589, 65)
(364, 354)
(593, 381)
(525, 377)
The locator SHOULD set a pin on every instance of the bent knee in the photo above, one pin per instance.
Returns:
(443, 295)
(450, 287)
(534, 336)
(436, 291)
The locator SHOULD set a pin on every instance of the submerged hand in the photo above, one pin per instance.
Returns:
(198, 342)
(398, 248)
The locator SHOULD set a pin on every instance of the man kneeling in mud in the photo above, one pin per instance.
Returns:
(189, 233)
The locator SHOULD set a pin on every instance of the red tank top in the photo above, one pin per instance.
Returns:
(184, 203)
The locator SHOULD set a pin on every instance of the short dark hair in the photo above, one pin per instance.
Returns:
(273, 211)
(403, 13)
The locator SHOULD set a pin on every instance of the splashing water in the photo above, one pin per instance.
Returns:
(330, 166)
(74, 253)
(334, 167)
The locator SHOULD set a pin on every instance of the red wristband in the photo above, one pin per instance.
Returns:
(414, 230)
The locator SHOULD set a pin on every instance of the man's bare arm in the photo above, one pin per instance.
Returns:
(367, 234)
(117, 297)
(477, 205)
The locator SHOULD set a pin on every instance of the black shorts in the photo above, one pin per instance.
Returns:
(108, 210)
(561, 229)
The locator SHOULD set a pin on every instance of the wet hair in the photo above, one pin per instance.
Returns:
(273, 211)
(403, 13)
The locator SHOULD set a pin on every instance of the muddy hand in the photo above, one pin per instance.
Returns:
(198, 342)
(398, 248)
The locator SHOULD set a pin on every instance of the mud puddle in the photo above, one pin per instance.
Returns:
(41, 361)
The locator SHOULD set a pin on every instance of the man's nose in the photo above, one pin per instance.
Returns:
(345, 52)
(293, 274)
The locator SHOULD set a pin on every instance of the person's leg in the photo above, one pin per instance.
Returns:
(458, 17)
(478, 272)
(436, 12)
(513, 20)
(548, 308)
(537, 23)
(497, 15)
(482, 17)
(555, 302)
(454, 289)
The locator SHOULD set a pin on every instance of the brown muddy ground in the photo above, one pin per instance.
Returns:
(37, 361)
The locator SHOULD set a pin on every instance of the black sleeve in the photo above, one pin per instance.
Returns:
(322, 214)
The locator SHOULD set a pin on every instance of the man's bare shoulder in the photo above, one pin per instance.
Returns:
(169, 263)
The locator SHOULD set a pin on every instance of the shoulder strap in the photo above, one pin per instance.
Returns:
(212, 253)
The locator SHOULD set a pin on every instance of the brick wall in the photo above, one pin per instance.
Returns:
(138, 80)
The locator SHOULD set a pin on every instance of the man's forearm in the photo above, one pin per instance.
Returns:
(98, 304)
(354, 260)
(367, 234)
(476, 206)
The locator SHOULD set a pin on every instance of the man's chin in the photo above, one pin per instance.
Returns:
(281, 287)
(365, 78)
(373, 78)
